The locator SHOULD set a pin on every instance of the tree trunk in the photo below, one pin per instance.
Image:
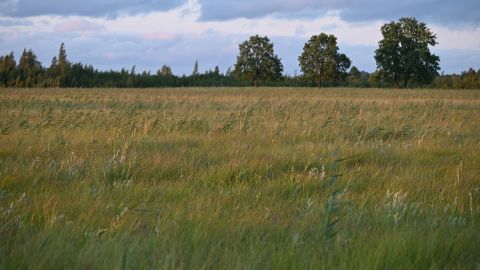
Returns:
(397, 84)
(319, 83)
(255, 82)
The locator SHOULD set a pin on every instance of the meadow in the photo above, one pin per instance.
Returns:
(239, 178)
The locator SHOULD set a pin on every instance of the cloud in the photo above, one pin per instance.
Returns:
(91, 8)
(178, 37)
(158, 36)
(77, 24)
(8, 22)
(442, 12)
(439, 11)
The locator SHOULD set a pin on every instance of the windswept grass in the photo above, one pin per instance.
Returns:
(239, 179)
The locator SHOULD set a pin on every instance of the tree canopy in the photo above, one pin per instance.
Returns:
(7, 70)
(257, 61)
(29, 69)
(403, 55)
(165, 71)
(321, 61)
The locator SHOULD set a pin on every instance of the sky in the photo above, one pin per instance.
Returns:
(115, 34)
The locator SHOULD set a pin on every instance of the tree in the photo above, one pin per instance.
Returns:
(257, 61)
(470, 79)
(403, 55)
(320, 60)
(343, 64)
(131, 77)
(229, 72)
(53, 72)
(64, 66)
(29, 69)
(216, 71)
(7, 70)
(354, 75)
(375, 79)
(195, 69)
(165, 71)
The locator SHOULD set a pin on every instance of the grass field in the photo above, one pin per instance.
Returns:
(239, 179)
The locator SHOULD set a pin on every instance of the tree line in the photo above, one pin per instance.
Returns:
(403, 60)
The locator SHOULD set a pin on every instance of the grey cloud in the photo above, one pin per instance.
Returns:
(231, 9)
(93, 8)
(14, 22)
(446, 12)
(437, 11)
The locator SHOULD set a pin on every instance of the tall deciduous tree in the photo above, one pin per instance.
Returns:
(403, 55)
(320, 60)
(257, 61)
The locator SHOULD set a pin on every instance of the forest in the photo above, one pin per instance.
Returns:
(28, 72)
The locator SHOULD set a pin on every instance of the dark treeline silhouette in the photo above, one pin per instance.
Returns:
(28, 72)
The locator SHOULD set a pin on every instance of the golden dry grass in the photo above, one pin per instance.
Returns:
(239, 178)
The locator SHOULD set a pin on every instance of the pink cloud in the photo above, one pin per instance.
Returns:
(108, 56)
(158, 36)
(77, 25)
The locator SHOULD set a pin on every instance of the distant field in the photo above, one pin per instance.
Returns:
(239, 179)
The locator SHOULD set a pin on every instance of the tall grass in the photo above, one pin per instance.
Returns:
(239, 179)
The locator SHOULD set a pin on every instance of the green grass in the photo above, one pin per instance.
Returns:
(239, 179)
